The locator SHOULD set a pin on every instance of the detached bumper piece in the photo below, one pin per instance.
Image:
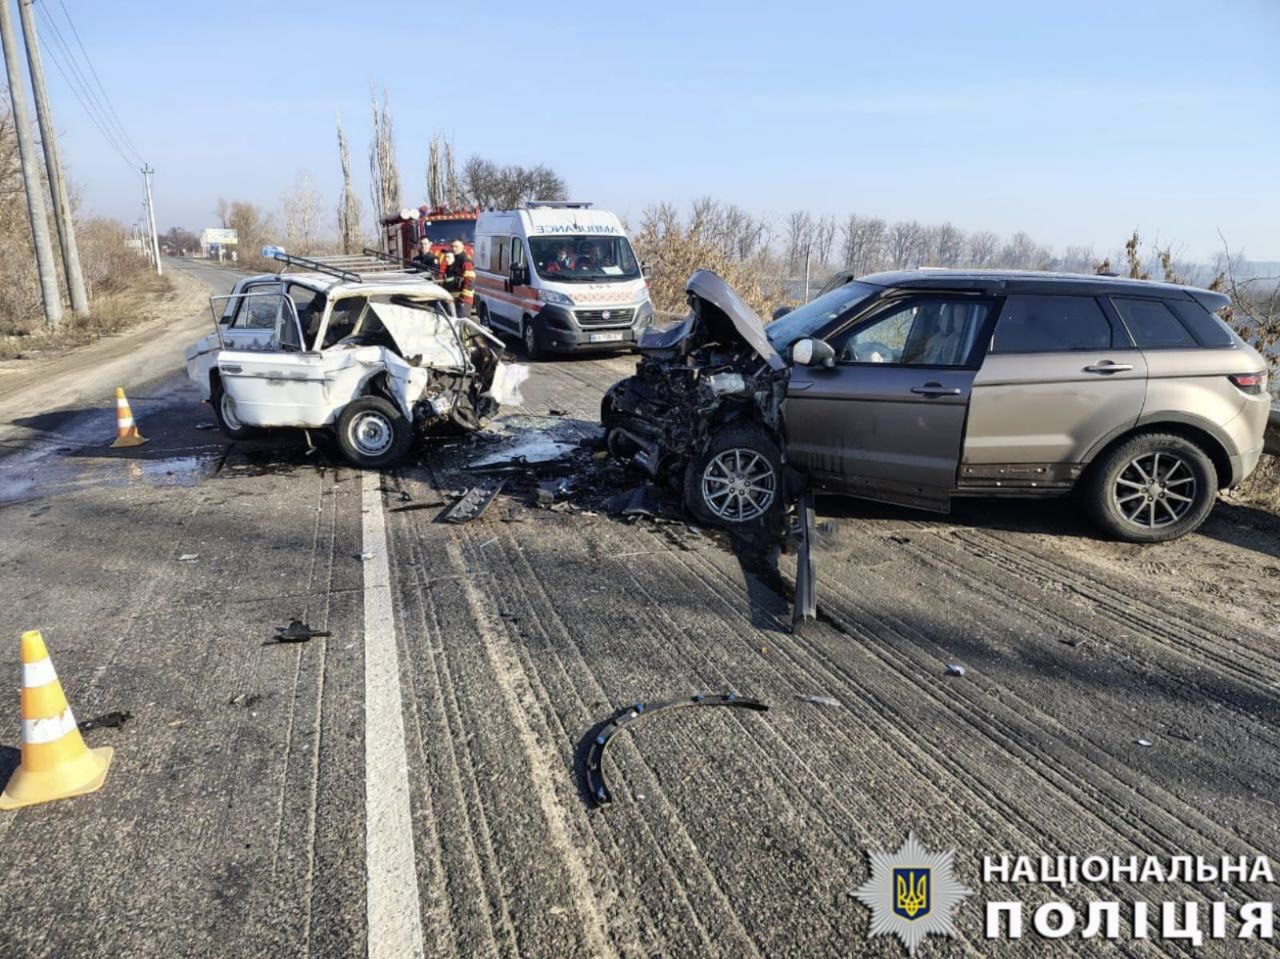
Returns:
(595, 783)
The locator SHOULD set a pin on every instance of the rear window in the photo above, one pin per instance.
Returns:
(1209, 330)
(1153, 325)
(1051, 324)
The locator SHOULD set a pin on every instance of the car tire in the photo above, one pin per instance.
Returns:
(224, 411)
(736, 482)
(373, 432)
(1152, 488)
(529, 336)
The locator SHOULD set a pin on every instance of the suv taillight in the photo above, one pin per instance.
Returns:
(1249, 382)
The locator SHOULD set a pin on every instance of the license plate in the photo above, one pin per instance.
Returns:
(607, 337)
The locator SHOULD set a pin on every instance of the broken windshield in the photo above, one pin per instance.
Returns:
(575, 258)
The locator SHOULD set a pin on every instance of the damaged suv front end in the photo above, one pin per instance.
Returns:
(704, 409)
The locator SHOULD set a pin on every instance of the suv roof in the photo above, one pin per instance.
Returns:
(1027, 281)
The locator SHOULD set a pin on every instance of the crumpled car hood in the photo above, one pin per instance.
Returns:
(422, 333)
(712, 288)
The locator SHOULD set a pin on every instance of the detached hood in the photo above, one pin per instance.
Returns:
(711, 289)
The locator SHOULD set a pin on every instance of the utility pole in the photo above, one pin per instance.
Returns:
(151, 216)
(30, 176)
(53, 163)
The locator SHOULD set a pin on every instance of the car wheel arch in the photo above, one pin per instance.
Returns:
(1200, 432)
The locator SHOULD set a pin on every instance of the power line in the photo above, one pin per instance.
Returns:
(65, 60)
(110, 106)
(89, 111)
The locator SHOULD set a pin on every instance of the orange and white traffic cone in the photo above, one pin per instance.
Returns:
(126, 429)
(55, 761)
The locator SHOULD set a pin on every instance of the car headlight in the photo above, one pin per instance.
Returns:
(557, 299)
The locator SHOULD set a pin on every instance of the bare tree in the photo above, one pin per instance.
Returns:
(824, 236)
(222, 211)
(301, 207)
(442, 178)
(349, 202)
(1077, 259)
(384, 174)
(904, 241)
(799, 239)
(488, 185)
(949, 242)
(981, 249)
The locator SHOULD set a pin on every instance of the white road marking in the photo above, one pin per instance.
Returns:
(393, 913)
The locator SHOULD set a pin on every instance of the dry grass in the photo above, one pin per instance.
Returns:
(1262, 489)
(674, 246)
(109, 313)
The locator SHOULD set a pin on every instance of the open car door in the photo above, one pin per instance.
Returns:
(279, 382)
(886, 422)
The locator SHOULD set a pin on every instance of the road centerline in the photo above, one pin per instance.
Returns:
(393, 910)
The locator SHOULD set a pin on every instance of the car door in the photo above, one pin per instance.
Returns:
(886, 422)
(251, 315)
(1060, 376)
(278, 383)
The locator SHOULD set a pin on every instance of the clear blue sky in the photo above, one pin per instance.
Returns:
(1075, 122)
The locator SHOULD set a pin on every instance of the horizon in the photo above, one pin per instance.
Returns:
(999, 119)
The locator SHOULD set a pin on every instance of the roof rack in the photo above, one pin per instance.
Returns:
(318, 266)
(396, 260)
(352, 267)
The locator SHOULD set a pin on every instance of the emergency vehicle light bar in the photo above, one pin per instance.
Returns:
(559, 204)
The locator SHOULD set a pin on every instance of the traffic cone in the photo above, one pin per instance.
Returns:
(55, 761)
(126, 430)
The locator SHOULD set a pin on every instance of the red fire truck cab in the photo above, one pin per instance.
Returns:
(400, 234)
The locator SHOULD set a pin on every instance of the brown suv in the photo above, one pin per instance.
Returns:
(916, 387)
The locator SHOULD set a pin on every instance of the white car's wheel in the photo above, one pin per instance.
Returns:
(373, 432)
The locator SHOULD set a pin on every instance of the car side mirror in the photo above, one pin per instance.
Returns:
(519, 275)
(780, 311)
(646, 270)
(811, 352)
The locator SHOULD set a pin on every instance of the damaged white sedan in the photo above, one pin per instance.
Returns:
(373, 356)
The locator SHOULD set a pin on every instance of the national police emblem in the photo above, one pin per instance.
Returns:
(911, 893)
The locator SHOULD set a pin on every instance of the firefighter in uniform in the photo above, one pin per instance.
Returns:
(426, 259)
(460, 279)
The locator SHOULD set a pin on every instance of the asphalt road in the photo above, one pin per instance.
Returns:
(409, 784)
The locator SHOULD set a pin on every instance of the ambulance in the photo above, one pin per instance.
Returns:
(562, 277)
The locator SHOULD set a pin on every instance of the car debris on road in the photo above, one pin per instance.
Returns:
(593, 774)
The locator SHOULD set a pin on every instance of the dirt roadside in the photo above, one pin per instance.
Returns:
(86, 376)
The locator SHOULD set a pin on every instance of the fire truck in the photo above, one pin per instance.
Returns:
(400, 234)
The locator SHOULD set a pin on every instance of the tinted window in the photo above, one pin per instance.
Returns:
(1051, 324)
(1208, 329)
(1153, 324)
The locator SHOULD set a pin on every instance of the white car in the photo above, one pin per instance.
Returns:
(371, 355)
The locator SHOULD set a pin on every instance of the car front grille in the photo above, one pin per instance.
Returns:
(616, 317)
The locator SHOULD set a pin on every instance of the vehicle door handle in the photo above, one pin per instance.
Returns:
(1109, 367)
(231, 368)
(936, 389)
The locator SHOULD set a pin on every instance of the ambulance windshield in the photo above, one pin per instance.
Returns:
(571, 259)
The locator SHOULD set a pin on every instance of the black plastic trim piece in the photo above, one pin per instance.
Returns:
(594, 772)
